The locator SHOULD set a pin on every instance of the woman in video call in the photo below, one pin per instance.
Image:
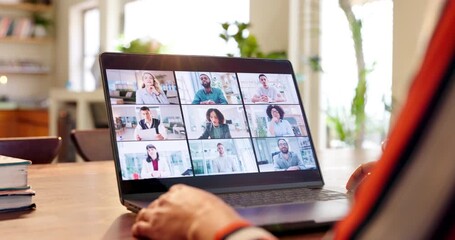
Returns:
(151, 92)
(278, 127)
(215, 128)
(153, 166)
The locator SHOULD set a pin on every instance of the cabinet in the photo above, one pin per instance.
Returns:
(24, 123)
(26, 56)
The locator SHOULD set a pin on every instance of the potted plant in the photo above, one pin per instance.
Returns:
(146, 45)
(42, 25)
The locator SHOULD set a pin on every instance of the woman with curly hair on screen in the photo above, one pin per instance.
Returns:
(278, 127)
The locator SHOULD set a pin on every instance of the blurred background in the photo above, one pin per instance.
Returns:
(352, 58)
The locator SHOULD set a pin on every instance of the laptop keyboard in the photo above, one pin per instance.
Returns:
(280, 196)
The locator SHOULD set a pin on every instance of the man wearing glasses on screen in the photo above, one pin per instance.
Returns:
(285, 159)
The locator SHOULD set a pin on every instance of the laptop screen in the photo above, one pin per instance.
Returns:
(211, 122)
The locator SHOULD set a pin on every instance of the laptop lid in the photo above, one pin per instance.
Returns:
(221, 124)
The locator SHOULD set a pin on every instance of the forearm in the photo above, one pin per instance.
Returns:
(271, 129)
(204, 135)
(227, 134)
(242, 230)
(302, 165)
(138, 98)
(197, 100)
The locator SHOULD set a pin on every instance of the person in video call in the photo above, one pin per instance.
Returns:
(209, 94)
(153, 166)
(266, 93)
(285, 159)
(151, 92)
(148, 123)
(223, 163)
(215, 127)
(278, 127)
(394, 192)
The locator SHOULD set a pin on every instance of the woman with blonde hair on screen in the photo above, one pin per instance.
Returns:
(151, 92)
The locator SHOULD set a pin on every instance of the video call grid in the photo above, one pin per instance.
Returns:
(247, 107)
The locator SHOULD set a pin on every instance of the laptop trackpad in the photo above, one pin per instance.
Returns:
(296, 215)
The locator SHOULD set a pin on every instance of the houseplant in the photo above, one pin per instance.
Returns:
(247, 43)
(42, 25)
(141, 45)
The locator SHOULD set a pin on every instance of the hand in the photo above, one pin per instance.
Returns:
(156, 174)
(264, 98)
(138, 138)
(159, 137)
(153, 90)
(292, 168)
(183, 212)
(359, 175)
(208, 102)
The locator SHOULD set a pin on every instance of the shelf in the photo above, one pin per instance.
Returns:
(27, 40)
(25, 71)
(27, 7)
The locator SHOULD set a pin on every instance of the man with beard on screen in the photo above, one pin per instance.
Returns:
(209, 94)
(285, 159)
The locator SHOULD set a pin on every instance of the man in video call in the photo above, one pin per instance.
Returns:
(152, 124)
(266, 93)
(285, 159)
(223, 163)
(209, 94)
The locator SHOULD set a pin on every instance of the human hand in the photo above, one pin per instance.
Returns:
(359, 175)
(159, 137)
(153, 90)
(156, 174)
(183, 212)
(138, 138)
(264, 98)
(292, 168)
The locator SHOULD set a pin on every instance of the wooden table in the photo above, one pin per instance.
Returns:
(80, 200)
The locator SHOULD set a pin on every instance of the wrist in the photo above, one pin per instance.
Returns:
(231, 228)
(218, 231)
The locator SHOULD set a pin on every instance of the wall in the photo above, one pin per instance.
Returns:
(62, 46)
(270, 23)
(408, 22)
(110, 13)
(27, 88)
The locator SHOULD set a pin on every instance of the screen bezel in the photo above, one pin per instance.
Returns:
(218, 183)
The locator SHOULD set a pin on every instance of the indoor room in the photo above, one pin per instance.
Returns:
(107, 106)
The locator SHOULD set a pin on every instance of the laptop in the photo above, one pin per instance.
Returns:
(235, 127)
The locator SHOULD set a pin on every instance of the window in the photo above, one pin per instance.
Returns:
(84, 42)
(338, 61)
(91, 45)
(184, 27)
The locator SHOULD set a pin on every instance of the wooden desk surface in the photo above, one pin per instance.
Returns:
(80, 200)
